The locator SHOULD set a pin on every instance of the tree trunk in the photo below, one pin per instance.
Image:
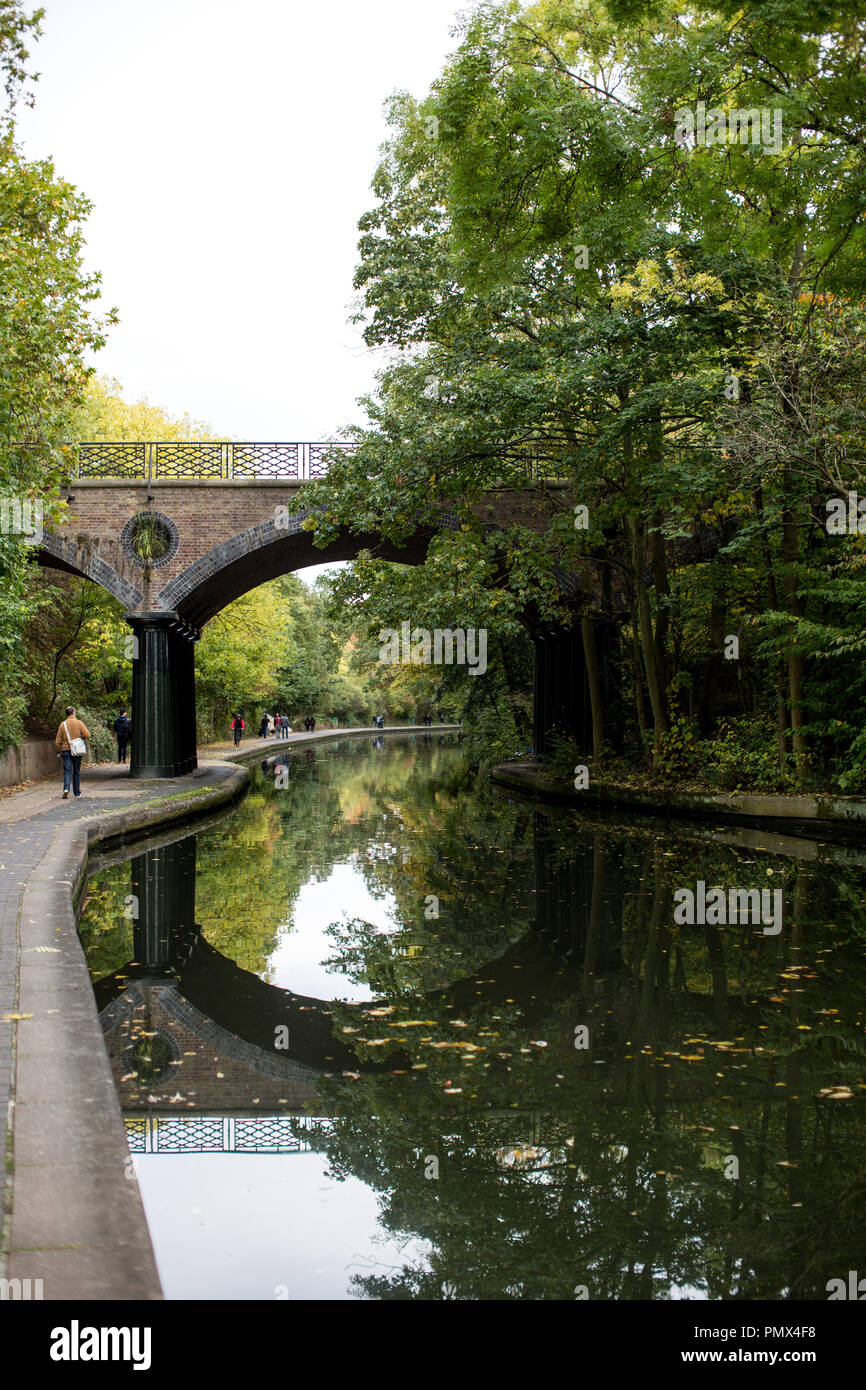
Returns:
(781, 706)
(593, 676)
(790, 555)
(638, 682)
(663, 593)
(647, 636)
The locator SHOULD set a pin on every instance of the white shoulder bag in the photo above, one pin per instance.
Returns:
(77, 746)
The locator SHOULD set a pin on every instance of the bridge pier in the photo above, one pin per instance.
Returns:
(163, 742)
(561, 702)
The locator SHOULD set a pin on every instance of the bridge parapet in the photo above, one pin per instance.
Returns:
(206, 460)
(202, 459)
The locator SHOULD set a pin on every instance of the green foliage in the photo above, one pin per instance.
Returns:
(557, 277)
(678, 750)
(47, 327)
(103, 744)
(742, 757)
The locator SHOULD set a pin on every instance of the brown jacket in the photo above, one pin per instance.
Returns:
(76, 730)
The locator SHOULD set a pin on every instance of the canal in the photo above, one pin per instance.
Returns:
(385, 1032)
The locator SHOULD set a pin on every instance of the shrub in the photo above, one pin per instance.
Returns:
(743, 757)
(678, 748)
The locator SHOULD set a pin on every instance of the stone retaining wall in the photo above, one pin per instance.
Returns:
(31, 760)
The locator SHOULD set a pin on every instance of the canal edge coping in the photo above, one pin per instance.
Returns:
(821, 815)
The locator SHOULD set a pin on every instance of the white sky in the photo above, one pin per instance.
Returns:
(229, 151)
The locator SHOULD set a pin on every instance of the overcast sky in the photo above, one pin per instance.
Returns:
(228, 151)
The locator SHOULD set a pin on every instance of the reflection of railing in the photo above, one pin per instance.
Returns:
(224, 1134)
(202, 459)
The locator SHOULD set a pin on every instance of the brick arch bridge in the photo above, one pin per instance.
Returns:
(225, 508)
(188, 989)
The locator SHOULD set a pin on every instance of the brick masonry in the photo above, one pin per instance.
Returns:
(233, 536)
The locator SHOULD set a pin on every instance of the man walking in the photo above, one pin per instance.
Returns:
(238, 726)
(121, 728)
(70, 745)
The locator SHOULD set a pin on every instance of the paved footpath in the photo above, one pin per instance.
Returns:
(28, 819)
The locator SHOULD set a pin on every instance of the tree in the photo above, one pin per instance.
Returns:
(567, 281)
(47, 327)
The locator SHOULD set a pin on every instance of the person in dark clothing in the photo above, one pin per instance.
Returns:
(238, 726)
(121, 729)
(312, 723)
(263, 727)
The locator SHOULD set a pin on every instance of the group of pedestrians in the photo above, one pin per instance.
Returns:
(277, 724)
(72, 733)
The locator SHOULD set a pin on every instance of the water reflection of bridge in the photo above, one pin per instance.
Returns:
(187, 1029)
(160, 1133)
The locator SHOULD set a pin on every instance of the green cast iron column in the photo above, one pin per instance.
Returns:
(163, 696)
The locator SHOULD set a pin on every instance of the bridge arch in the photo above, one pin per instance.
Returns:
(229, 507)
(81, 558)
(266, 551)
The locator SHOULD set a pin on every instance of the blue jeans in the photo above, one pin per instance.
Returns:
(71, 770)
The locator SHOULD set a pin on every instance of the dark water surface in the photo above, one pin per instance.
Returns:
(383, 1032)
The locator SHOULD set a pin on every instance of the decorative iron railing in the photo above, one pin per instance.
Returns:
(223, 1134)
(202, 459)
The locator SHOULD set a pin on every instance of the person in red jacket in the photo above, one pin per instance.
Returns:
(238, 727)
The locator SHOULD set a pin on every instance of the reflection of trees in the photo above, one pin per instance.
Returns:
(706, 1043)
(414, 826)
(106, 933)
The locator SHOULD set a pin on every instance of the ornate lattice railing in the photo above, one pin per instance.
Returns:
(222, 1134)
(203, 459)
